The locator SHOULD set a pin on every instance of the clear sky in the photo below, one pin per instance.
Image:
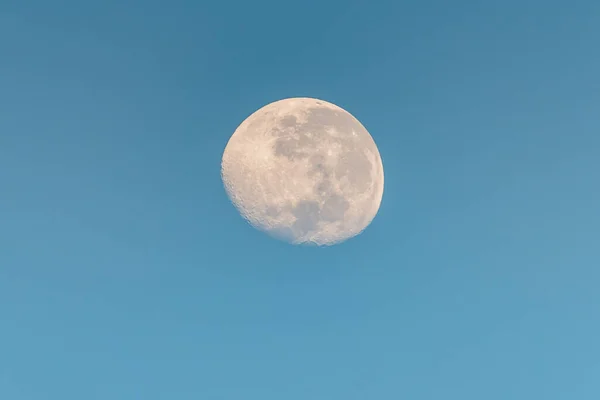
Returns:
(125, 272)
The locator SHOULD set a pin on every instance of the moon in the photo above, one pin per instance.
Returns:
(304, 171)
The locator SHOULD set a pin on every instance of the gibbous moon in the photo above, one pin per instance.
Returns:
(304, 171)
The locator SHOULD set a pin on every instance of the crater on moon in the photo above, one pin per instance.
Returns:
(305, 171)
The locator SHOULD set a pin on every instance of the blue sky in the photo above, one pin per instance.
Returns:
(125, 273)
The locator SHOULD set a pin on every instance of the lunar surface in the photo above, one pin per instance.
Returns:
(304, 171)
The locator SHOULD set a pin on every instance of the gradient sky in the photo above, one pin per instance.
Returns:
(125, 272)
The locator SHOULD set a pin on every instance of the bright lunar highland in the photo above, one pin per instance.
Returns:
(304, 171)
